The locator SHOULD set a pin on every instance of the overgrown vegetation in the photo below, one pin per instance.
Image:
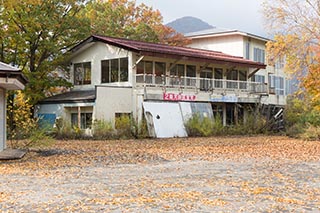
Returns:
(125, 128)
(302, 119)
(23, 130)
(198, 126)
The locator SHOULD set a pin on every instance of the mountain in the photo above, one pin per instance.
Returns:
(189, 24)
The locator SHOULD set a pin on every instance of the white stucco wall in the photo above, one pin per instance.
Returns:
(231, 44)
(111, 100)
(2, 119)
(95, 54)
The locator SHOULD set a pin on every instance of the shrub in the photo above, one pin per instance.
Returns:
(311, 133)
(103, 130)
(199, 126)
(302, 119)
(123, 126)
(64, 130)
(218, 128)
(140, 130)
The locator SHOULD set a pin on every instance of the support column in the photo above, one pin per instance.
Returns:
(79, 117)
(3, 135)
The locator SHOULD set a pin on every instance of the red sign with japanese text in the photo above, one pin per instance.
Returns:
(178, 97)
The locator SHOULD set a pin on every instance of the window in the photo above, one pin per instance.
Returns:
(82, 73)
(232, 77)
(176, 72)
(151, 72)
(85, 120)
(218, 78)
(247, 53)
(258, 78)
(259, 55)
(114, 70)
(206, 76)
(243, 77)
(276, 83)
(148, 69)
(279, 85)
(279, 63)
(160, 72)
(191, 74)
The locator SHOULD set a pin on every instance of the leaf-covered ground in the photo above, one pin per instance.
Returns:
(227, 174)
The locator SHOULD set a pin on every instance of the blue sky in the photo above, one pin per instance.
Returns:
(244, 15)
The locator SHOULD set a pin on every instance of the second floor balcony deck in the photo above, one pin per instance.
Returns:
(201, 84)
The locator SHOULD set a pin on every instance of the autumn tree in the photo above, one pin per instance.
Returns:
(35, 36)
(295, 26)
(123, 18)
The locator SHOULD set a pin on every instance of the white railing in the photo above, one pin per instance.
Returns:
(203, 84)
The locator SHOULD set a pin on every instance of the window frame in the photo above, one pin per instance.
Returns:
(85, 72)
(84, 123)
(114, 70)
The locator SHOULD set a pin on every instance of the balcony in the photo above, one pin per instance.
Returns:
(202, 84)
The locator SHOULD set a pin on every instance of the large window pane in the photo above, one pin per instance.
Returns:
(140, 72)
(114, 70)
(206, 76)
(191, 74)
(105, 71)
(243, 77)
(160, 71)
(148, 69)
(218, 78)
(232, 77)
(123, 69)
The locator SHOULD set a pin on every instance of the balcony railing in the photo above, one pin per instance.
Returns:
(203, 84)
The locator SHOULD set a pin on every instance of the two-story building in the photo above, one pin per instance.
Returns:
(164, 84)
(252, 47)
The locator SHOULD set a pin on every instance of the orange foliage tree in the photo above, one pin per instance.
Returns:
(123, 18)
(295, 26)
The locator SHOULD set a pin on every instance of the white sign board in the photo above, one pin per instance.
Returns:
(165, 119)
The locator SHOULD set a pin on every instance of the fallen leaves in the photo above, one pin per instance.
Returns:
(222, 173)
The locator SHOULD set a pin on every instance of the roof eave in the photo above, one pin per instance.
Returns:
(204, 59)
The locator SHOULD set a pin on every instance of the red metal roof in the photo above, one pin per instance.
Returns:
(167, 51)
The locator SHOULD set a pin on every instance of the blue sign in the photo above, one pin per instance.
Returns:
(225, 99)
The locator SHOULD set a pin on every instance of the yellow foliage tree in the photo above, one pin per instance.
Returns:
(295, 26)
(19, 117)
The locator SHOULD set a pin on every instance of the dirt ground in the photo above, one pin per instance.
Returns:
(217, 174)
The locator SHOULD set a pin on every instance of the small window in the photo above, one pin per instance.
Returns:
(82, 73)
(85, 120)
(259, 55)
(247, 50)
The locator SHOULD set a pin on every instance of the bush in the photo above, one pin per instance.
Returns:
(302, 119)
(311, 133)
(198, 126)
(103, 130)
(218, 128)
(123, 126)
